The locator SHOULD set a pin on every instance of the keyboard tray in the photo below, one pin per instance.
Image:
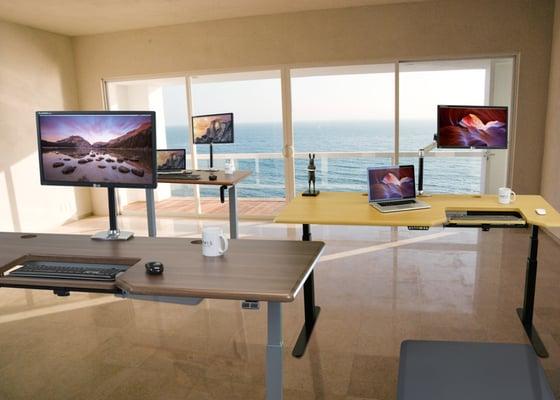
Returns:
(485, 218)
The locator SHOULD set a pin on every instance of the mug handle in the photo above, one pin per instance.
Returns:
(225, 244)
(513, 196)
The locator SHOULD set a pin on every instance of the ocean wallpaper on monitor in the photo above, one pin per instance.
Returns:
(391, 183)
(96, 149)
(478, 127)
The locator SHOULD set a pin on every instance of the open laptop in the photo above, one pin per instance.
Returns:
(171, 161)
(393, 189)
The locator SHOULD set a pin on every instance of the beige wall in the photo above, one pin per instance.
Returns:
(434, 29)
(551, 159)
(36, 72)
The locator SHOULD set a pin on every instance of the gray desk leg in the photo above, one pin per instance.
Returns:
(274, 352)
(233, 221)
(151, 211)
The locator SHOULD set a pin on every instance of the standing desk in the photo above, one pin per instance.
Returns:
(225, 181)
(263, 270)
(339, 208)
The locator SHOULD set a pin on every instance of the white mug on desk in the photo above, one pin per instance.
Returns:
(506, 195)
(214, 242)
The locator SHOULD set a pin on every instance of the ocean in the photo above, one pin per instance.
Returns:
(441, 174)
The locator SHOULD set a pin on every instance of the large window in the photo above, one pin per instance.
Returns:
(345, 115)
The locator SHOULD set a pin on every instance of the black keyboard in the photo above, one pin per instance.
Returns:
(396, 203)
(65, 270)
(180, 176)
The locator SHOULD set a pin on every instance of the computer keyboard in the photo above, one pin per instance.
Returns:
(181, 176)
(396, 203)
(66, 270)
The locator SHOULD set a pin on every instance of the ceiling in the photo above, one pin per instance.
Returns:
(83, 17)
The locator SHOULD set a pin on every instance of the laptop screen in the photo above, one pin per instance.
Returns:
(171, 160)
(391, 183)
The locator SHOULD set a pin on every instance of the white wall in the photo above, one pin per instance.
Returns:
(36, 73)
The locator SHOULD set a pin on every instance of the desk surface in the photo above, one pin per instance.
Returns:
(223, 178)
(345, 208)
(267, 270)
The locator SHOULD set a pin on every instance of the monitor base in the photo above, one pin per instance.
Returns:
(113, 235)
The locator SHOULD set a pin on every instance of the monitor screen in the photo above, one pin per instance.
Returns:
(171, 159)
(215, 128)
(97, 148)
(391, 183)
(472, 127)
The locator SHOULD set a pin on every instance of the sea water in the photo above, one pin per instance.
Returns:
(441, 174)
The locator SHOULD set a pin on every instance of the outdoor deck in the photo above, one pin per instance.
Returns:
(254, 208)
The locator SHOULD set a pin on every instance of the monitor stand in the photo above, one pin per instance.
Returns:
(113, 233)
(212, 169)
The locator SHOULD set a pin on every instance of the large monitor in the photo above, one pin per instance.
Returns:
(97, 148)
(479, 127)
(212, 129)
(391, 183)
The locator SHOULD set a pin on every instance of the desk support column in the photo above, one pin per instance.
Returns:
(233, 221)
(526, 313)
(151, 212)
(311, 310)
(274, 352)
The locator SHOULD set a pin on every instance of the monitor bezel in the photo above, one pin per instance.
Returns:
(213, 115)
(474, 147)
(184, 151)
(45, 182)
(389, 167)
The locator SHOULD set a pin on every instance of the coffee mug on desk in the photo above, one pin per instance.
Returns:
(214, 242)
(506, 195)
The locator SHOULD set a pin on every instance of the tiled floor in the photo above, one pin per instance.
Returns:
(376, 287)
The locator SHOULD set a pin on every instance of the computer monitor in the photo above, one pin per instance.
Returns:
(391, 183)
(171, 160)
(478, 127)
(212, 129)
(100, 149)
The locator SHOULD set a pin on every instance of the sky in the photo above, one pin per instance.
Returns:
(351, 97)
(93, 128)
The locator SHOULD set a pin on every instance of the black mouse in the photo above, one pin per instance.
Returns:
(154, 268)
(213, 177)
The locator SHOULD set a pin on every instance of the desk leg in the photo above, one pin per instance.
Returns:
(151, 212)
(311, 310)
(274, 352)
(233, 221)
(526, 313)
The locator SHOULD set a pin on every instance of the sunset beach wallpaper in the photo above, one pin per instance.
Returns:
(96, 148)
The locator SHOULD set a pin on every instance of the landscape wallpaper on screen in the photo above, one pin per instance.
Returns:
(170, 160)
(97, 148)
(391, 183)
(472, 127)
(213, 129)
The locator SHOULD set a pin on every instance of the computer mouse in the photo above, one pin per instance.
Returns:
(213, 177)
(154, 268)
(540, 211)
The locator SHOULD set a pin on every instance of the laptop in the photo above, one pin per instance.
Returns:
(393, 188)
(171, 161)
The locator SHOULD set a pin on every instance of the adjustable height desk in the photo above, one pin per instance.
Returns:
(224, 181)
(336, 208)
(265, 270)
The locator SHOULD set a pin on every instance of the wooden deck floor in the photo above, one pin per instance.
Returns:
(212, 207)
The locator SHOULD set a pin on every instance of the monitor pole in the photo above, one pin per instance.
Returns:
(113, 233)
(212, 158)
(421, 153)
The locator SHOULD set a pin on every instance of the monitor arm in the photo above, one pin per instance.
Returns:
(421, 153)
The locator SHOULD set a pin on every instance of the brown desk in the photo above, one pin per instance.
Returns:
(266, 270)
(341, 208)
(225, 181)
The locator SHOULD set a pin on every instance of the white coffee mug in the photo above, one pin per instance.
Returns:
(214, 242)
(506, 195)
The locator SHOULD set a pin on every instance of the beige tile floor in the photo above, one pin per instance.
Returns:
(376, 287)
